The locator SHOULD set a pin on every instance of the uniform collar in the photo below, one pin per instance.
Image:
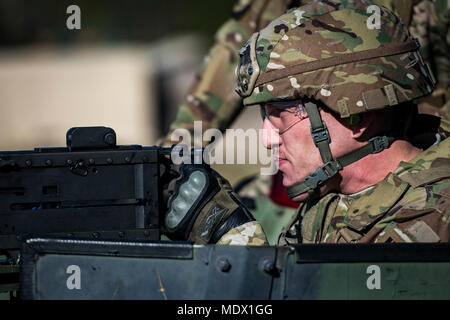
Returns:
(371, 205)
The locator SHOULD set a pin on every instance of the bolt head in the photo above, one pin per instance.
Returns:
(223, 264)
(109, 139)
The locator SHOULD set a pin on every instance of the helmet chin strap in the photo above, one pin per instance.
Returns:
(330, 166)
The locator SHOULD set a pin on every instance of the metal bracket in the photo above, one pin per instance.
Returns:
(325, 172)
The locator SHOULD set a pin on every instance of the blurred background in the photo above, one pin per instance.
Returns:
(128, 68)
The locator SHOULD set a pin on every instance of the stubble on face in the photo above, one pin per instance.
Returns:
(302, 157)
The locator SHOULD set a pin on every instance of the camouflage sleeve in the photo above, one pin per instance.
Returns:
(248, 234)
(430, 23)
(211, 97)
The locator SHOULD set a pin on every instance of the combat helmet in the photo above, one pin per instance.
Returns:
(336, 54)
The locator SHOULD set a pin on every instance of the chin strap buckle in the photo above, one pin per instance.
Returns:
(325, 172)
(379, 143)
(320, 134)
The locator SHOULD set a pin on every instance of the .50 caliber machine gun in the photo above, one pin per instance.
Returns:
(91, 189)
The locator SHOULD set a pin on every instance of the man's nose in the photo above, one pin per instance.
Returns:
(271, 136)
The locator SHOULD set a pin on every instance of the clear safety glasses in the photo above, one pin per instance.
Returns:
(284, 115)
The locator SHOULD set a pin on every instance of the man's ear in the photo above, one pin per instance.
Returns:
(359, 124)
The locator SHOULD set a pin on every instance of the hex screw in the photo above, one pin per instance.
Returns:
(127, 159)
(91, 161)
(268, 266)
(28, 163)
(69, 162)
(49, 162)
(109, 160)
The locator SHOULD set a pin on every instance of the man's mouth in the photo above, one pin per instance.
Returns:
(282, 161)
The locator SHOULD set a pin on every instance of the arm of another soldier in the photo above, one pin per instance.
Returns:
(430, 24)
(211, 97)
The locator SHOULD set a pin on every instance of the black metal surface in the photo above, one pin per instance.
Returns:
(156, 270)
(113, 247)
(373, 252)
(91, 188)
(90, 138)
(167, 270)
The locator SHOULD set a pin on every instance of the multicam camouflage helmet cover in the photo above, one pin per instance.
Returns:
(326, 51)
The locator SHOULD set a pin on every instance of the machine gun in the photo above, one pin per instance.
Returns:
(87, 221)
(90, 189)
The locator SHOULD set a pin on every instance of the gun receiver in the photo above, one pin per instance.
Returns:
(90, 189)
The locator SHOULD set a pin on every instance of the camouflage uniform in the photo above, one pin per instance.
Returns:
(211, 97)
(430, 23)
(410, 205)
(351, 70)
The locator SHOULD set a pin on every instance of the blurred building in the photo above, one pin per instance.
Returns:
(45, 91)
(127, 68)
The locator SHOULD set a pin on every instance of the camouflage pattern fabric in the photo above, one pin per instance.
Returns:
(272, 217)
(249, 234)
(211, 97)
(326, 51)
(410, 205)
(430, 23)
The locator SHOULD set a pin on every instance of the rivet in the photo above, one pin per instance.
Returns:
(223, 264)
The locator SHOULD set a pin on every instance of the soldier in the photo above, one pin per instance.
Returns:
(365, 166)
(212, 100)
(430, 23)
